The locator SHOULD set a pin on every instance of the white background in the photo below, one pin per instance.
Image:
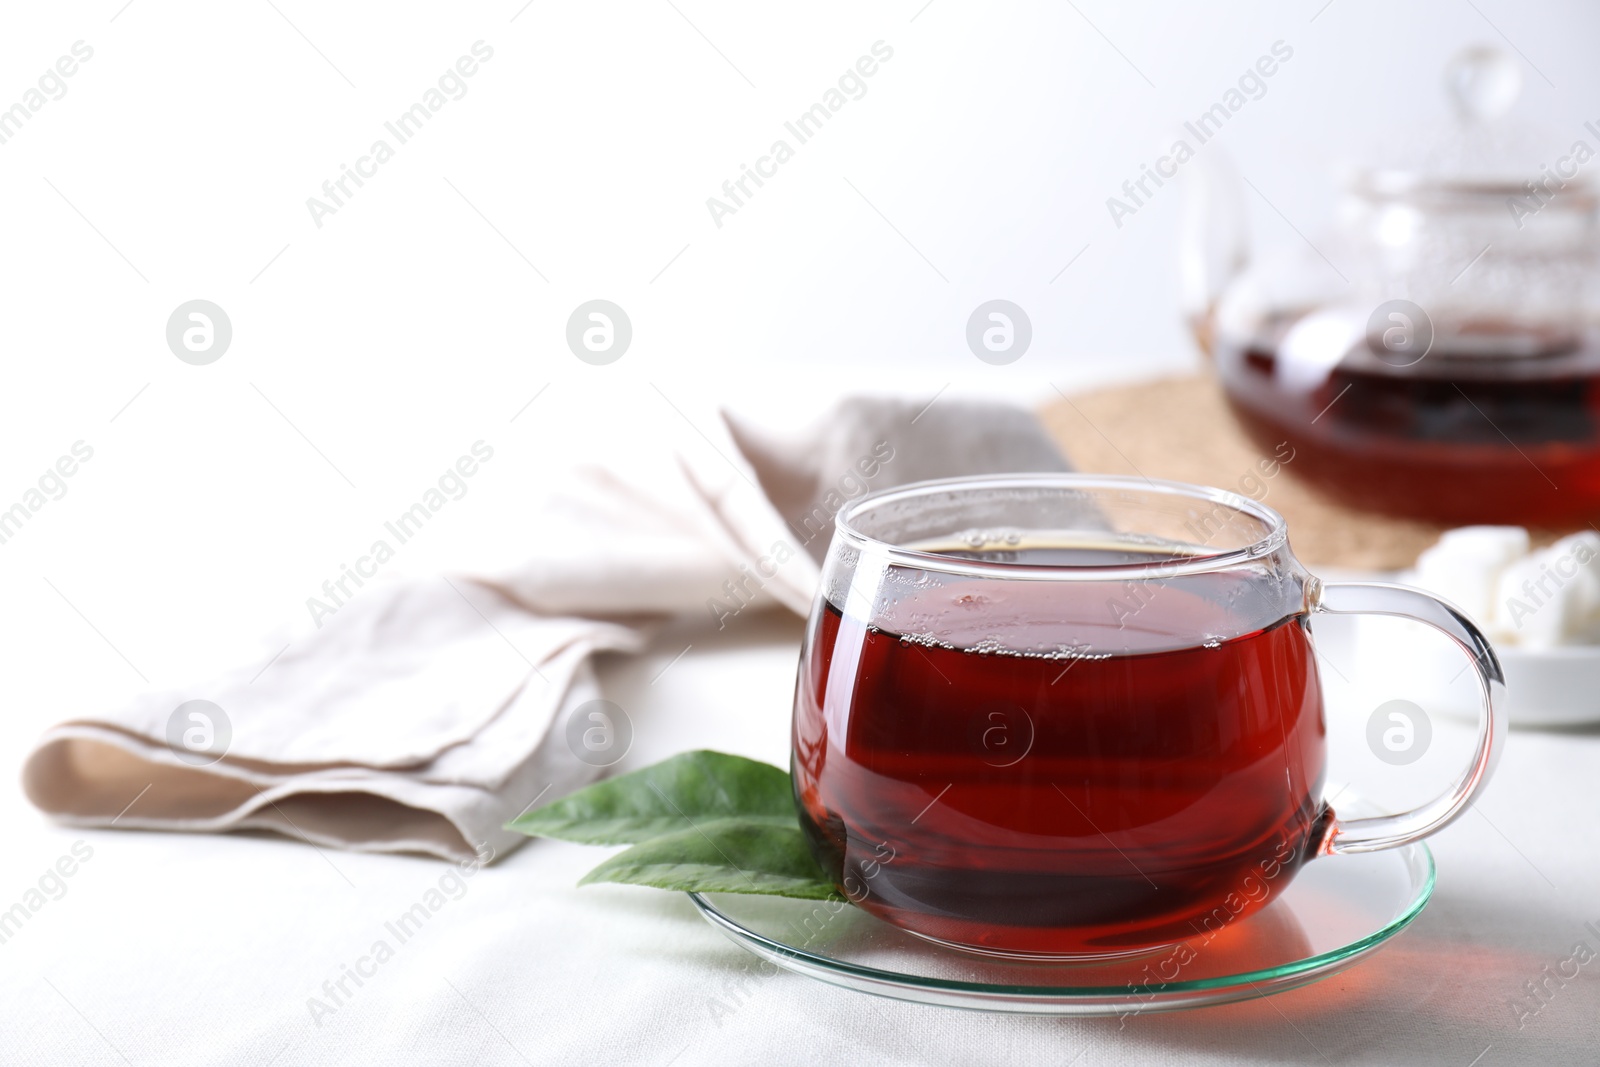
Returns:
(374, 350)
(406, 328)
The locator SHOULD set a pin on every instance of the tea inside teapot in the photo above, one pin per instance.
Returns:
(1452, 371)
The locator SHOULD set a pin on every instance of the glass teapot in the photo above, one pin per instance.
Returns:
(1437, 356)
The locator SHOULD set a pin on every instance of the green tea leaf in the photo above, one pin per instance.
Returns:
(701, 821)
(694, 787)
(723, 856)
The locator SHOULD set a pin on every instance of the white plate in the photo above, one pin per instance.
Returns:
(1336, 911)
(1550, 687)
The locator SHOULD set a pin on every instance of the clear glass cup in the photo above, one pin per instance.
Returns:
(1080, 715)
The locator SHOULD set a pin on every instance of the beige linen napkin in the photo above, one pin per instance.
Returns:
(422, 716)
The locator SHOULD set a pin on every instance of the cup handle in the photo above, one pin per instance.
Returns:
(1377, 598)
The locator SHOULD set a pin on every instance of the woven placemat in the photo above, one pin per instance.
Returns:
(1180, 428)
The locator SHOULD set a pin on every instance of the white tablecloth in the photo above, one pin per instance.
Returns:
(173, 949)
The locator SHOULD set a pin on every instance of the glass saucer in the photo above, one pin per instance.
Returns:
(1335, 911)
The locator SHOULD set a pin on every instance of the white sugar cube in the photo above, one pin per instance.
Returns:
(1552, 596)
(1464, 566)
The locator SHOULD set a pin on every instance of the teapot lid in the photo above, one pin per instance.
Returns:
(1481, 151)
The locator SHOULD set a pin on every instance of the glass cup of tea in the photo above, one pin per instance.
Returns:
(1079, 715)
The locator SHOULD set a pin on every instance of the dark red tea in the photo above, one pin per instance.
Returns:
(1470, 439)
(1062, 767)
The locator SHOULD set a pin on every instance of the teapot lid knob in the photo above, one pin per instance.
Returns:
(1483, 83)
